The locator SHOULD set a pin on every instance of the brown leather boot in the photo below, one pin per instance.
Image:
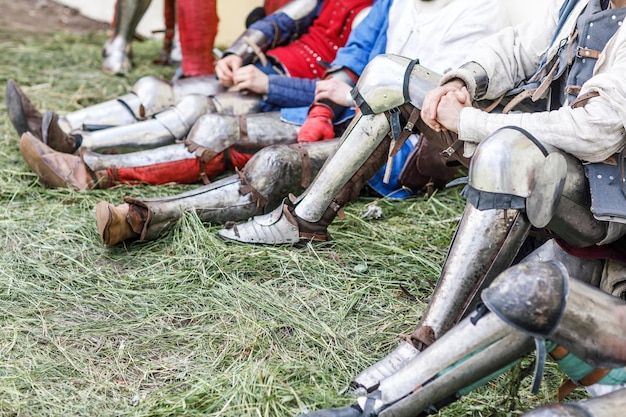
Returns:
(112, 224)
(23, 115)
(318, 231)
(55, 137)
(60, 170)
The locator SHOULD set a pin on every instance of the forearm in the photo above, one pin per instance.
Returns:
(579, 131)
(290, 92)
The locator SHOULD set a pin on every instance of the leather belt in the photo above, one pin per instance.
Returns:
(587, 53)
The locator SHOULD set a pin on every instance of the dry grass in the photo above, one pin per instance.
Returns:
(189, 324)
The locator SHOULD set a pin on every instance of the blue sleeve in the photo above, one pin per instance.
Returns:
(367, 40)
(290, 92)
(287, 27)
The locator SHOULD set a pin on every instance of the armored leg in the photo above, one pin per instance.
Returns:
(474, 351)
(149, 96)
(267, 176)
(180, 163)
(532, 299)
(494, 225)
(161, 129)
(116, 53)
(362, 152)
(587, 321)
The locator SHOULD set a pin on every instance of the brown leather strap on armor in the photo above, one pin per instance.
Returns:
(243, 128)
(545, 84)
(246, 188)
(305, 176)
(519, 98)
(558, 353)
(396, 143)
(422, 337)
(592, 378)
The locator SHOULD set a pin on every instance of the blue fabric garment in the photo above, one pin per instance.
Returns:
(393, 189)
(366, 41)
(288, 28)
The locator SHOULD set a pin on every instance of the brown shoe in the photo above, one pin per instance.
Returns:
(23, 115)
(55, 137)
(59, 170)
(112, 225)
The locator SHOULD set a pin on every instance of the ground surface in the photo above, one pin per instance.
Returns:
(43, 16)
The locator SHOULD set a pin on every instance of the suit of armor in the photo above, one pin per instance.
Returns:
(466, 25)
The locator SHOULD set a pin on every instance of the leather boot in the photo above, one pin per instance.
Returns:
(113, 225)
(23, 115)
(55, 137)
(60, 170)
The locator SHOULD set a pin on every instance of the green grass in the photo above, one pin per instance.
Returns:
(190, 324)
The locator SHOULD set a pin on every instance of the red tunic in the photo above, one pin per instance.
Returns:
(329, 32)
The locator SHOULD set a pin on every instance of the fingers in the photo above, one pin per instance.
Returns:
(225, 69)
(429, 108)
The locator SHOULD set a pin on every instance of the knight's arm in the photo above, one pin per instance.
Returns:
(279, 28)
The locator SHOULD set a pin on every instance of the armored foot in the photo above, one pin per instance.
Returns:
(112, 225)
(281, 226)
(55, 137)
(59, 170)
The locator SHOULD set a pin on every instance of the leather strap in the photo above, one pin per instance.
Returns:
(546, 83)
(558, 353)
(582, 100)
(397, 142)
(243, 128)
(518, 99)
(305, 176)
(593, 377)
(587, 53)
(246, 188)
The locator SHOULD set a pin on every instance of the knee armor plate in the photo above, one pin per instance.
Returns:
(153, 95)
(389, 81)
(512, 162)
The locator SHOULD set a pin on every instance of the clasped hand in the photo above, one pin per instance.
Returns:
(442, 106)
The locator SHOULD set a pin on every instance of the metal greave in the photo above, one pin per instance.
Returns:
(151, 95)
(475, 350)
(108, 113)
(484, 244)
(163, 129)
(361, 138)
(593, 326)
(542, 300)
(214, 133)
(129, 13)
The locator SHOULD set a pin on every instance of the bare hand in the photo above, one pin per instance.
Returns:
(250, 78)
(333, 90)
(433, 99)
(225, 69)
(449, 109)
